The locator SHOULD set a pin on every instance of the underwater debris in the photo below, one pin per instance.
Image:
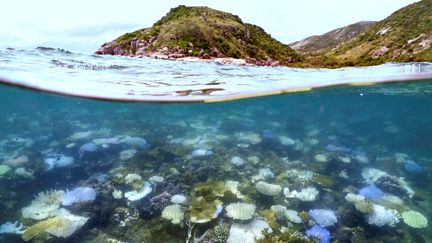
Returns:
(79, 195)
(414, 219)
(240, 211)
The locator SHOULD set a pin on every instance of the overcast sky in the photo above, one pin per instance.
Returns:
(83, 25)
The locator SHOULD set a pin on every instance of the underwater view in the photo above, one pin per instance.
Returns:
(346, 164)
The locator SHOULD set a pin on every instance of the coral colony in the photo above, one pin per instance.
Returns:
(237, 177)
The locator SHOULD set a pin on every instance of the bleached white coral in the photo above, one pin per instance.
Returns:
(265, 174)
(173, 213)
(12, 228)
(283, 213)
(267, 188)
(137, 195)
(323, 217)
(405, 186)
(351, 197)
(63, 224)
(382, 216)
(179, 199)
(248, 232)
(132, 177)
(293, 216)
(300, 175)
(70, 224)
(44, 205)
(241, 211)
(414, 219)
(307, 194)
(371, 175)
(232, 186)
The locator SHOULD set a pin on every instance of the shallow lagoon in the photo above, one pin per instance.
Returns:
(215, 155)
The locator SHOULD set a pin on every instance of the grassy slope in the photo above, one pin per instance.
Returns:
(202, 28)
(323, 43)
(405, 24)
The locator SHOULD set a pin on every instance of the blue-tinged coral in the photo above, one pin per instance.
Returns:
(320, 233)
(412, 167)
(323, 217)
(12, 228)
(371, 192)
(79, 195)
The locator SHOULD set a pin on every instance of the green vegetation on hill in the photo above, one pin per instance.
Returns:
(404, 36)
(319, 44)
(202, 32)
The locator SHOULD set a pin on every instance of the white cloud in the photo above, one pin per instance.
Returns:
(83, 25)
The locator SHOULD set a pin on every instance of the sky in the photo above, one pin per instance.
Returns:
(84, 25)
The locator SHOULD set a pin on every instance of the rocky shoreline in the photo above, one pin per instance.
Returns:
(139, 49)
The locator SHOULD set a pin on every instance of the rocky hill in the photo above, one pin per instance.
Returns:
(321, 43)
(404, 36)
(204, 33)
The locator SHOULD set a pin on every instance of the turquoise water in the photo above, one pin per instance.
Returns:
(337, 141)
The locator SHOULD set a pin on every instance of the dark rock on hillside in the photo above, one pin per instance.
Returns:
(331, 39)
(203, 33)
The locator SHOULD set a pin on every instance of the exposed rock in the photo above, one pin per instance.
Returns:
(187, 32)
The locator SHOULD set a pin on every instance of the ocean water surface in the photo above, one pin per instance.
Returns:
(341, 164)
